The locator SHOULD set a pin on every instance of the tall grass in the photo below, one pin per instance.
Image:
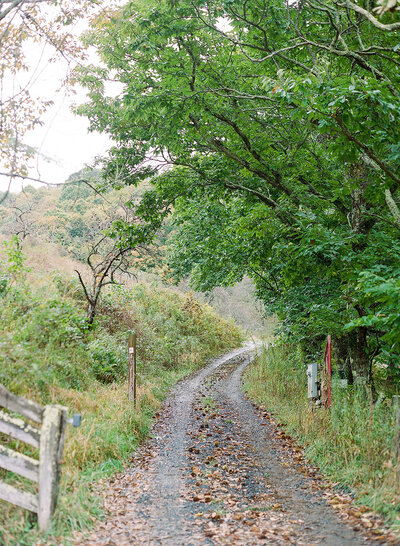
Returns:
(352, 443)
(48, 354)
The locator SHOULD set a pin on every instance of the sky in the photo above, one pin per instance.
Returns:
(63, 138)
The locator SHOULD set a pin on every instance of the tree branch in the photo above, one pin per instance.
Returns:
(366, 149)
(84, 287)
(370, 17)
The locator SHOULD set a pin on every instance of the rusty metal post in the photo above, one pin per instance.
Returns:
(132, 366)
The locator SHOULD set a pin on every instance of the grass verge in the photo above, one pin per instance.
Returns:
(47, 354)
(352, 444)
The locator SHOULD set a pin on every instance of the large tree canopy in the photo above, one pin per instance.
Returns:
(272, 131)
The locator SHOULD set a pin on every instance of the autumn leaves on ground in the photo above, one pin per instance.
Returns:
(254, 156)
(219, 471)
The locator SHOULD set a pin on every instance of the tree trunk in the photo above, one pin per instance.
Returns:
(341, 353)
(361, 224)
(359, 361)
(351, 355)
(91, 311)
(92, 303)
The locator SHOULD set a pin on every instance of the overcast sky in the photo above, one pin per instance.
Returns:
(64, 137)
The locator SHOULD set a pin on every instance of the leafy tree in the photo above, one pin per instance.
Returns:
(25, 25)
(273, 132)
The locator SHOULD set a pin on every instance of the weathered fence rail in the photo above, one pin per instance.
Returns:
(48, 438)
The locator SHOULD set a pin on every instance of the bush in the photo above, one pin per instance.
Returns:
(108, 360)
(173, 329)
(54, 319)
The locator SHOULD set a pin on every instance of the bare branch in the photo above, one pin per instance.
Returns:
(83, 286)
(370, 17)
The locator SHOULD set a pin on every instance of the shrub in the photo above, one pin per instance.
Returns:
(108, 360)
(54, 319)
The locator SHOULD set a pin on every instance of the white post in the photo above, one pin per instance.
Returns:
(312, 375)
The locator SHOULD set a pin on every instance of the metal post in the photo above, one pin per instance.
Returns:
(312, 375)
(132, 366)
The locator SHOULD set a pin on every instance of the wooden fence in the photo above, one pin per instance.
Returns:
(49, 439)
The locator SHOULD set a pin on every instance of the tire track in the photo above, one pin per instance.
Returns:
(214, 473)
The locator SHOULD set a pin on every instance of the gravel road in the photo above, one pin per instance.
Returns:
(217, 472)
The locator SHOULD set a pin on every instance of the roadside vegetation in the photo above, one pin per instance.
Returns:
(278, 138)
(352, 443)
(265, 145)
(50, 355)
(279, 141)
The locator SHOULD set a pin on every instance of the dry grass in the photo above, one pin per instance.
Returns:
(111, 430)
(107, 416)
(48, 355)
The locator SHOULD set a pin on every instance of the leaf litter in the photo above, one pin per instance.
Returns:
(219, 470)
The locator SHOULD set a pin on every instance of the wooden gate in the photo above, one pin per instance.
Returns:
(48, 438)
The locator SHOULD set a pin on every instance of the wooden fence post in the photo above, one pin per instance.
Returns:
(50, 441)
(50, 451)
(132, 366)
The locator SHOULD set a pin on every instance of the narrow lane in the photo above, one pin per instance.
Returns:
(215, 473)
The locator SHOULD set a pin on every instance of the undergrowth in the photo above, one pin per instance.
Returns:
(48, 354)
(352, 443)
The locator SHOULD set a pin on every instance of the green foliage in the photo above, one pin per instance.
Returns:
(181, 329)
(16, 260)
(381, 288)
(109, 361)
(282, 131)
(53, 320)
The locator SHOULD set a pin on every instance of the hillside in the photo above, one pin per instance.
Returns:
(58, 226)
(48, 354)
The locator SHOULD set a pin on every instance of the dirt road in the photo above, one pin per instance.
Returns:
(216, 472)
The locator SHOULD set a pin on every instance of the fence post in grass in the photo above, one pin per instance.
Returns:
(50, 452)
(132, 366)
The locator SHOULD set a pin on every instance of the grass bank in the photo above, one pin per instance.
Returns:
(352, 444)
(48, 354)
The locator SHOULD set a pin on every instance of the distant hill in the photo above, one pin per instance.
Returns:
(57, 225)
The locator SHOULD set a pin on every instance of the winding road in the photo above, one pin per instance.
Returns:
(216, 472)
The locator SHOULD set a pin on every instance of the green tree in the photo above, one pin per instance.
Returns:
(272, 131)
